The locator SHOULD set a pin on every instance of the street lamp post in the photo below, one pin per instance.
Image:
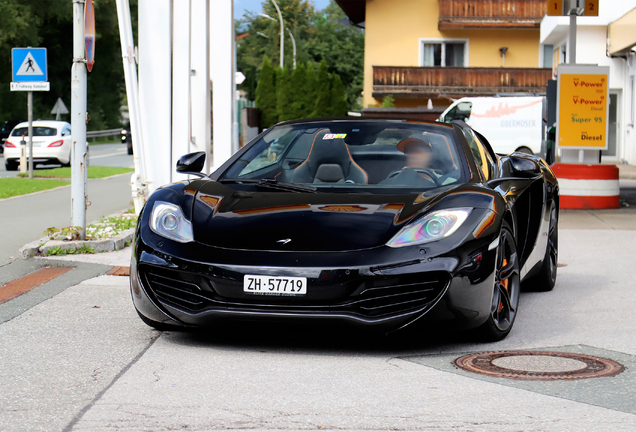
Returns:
(290, 35)
(282, 35)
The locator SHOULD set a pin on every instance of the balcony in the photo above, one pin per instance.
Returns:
(470, 14)
(455, 82)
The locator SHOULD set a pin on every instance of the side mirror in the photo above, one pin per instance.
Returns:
(192, 163)
(524, 166)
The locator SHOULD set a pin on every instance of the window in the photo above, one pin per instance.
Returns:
(443, 53)
(482, 159)
(37, 131)
(548, 51)
(379, 157)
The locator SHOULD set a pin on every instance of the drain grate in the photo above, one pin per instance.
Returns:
(538, 365)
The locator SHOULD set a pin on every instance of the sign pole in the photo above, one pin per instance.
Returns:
(78, 122)
(30, 109)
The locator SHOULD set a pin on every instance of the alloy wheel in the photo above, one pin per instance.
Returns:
(507, 283)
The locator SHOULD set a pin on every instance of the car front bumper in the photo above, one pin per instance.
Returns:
(454, 288)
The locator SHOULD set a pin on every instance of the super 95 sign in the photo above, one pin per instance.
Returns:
(582, 107)
(29, 69)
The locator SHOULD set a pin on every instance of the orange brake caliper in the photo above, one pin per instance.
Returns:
(505, 284)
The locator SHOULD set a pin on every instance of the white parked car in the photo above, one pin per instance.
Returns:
(51, 144)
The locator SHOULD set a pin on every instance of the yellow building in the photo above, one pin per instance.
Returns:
(416, 50)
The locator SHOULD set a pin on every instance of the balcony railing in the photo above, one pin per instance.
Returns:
(406, 81)
(461, 14)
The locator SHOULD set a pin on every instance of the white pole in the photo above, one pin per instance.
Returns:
(155, 89)
(30, 114)
(78, 122)
(181, 92)
(293, 45)
(282, 35)
(138, 182)
(200, 96)
(572, 48)
(222, 73)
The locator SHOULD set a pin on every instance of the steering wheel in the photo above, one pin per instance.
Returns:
(445, 177)
(429, 173)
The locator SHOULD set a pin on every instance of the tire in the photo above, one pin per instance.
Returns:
(10, 166)
(545, 279)
(507, 286)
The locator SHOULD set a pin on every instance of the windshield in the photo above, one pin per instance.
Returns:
(37, 131)
(377, 157)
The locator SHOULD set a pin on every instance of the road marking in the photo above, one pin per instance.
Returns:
(26, 283)
(117, 153)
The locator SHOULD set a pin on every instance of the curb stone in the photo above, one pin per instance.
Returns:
(102, 245)
(43, 245)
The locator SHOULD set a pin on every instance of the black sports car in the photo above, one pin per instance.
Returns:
(380, 223)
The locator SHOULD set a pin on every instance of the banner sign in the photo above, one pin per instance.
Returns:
(582, 107)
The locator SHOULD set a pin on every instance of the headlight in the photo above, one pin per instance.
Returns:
(168, 221)
(433, 226)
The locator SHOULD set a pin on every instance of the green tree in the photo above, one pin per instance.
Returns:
(283, 95)
(310, 90)
(266, 95)
(388, 102)
(323, 92)
(341, 45)
(298, 89)
(319, 36)
(49, 24)
(338, 100)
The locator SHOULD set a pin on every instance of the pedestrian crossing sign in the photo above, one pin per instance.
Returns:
(29, 64)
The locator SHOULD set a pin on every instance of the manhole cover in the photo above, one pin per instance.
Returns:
(538, 365)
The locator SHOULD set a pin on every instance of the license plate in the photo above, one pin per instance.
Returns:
(275, 285)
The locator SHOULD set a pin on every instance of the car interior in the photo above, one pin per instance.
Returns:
(351, 154)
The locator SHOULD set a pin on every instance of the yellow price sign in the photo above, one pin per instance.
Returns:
(582, 107)
(591, 8)
(555, 7)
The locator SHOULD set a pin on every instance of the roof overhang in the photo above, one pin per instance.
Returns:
(621, 34)
(355, 9)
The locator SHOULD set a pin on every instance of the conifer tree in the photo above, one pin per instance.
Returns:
(298, 89)
(310, 90)
(338, 101)
(323, 92)
(266, 99)
(283, 95)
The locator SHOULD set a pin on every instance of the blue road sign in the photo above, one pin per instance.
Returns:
(29, 64)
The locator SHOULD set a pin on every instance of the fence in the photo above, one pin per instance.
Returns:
(103, 133)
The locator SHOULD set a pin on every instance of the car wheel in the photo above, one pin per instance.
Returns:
(546, 278)
(507, 286)
(10, 166)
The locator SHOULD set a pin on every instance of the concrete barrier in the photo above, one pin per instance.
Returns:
(587, 186)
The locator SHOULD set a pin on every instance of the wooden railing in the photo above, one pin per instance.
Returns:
(457, 14)
(406, 81)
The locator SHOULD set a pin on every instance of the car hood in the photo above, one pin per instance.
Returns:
(287, 221)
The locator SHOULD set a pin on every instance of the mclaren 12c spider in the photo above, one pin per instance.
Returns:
(377, 223)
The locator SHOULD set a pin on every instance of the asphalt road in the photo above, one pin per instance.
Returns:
(83, 361)
(100, 155)
(26, 217)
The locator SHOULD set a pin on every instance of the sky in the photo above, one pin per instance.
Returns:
(240, 6)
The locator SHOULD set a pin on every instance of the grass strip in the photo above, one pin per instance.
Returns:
(10, 187)
(65, 172)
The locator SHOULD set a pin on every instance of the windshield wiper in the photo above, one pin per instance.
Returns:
(273, 184)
